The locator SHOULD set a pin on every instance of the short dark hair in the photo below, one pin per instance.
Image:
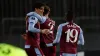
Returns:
(46, 10)
(38, 5)
(69, 16)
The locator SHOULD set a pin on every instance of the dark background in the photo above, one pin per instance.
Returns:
(12, 20)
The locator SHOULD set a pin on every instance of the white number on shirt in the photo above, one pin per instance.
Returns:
(70, 35)
(51, 26)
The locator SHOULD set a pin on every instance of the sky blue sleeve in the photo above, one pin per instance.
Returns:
(58, 34)
(81, 37)
(32, 21)
(40, 18)
(30, 14)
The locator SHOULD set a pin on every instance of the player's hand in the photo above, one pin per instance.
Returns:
(45, 31)
(24, 36)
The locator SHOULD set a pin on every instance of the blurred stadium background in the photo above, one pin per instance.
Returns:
(12, 21)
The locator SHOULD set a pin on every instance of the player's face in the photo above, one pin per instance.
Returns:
(40, 10)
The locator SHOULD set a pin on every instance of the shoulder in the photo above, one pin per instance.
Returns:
(30, 13)
(77, 25)
(53, 22)
(63, 24)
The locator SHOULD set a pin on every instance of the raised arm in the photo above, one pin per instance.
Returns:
(40, 18)
(32, 22)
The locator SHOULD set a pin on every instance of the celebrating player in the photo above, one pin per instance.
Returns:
(32, 36)
(69, 35)
(47, 40)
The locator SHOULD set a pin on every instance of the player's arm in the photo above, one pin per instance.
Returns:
(30, 14)
(32, 22)
(81, 37)
(25, 35)
(58, 34)
(40, 18)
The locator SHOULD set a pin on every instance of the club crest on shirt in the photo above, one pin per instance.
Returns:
(33, 18)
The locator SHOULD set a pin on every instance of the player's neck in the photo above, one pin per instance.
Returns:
(46, 16)
(71, 21)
